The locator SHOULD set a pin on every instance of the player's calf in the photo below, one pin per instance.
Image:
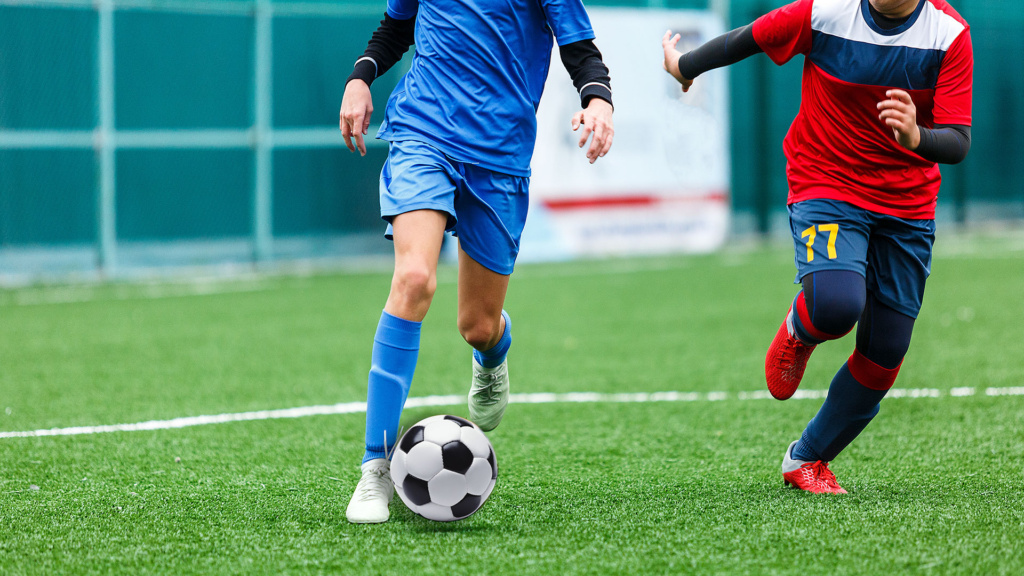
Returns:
(852, 403)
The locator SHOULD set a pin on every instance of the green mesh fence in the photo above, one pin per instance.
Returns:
(136, 133)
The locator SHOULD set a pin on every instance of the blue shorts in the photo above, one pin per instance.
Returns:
(486, 210)
(893, 254)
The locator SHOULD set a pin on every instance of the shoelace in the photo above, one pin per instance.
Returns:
(827, 476)
(789, 353)
(822, 473)
(487, 392)
(371, 488)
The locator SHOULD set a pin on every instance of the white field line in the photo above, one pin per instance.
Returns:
(536, 398)
(154, 291)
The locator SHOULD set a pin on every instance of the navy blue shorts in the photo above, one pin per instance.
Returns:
(486, 209)
(893, 254)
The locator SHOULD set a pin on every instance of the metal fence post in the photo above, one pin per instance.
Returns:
(105, 142)
(263, 183)
(762, 136)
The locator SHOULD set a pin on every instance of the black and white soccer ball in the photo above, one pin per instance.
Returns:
(444, 468)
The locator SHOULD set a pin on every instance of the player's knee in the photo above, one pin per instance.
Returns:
(414, 284)
(885, 336)
(837, 313)
(479, 331)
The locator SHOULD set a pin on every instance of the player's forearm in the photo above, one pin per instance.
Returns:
(724, 50)
(586, 68)
(389, 42)
(945, 144)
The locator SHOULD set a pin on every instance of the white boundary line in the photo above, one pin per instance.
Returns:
(537, 398)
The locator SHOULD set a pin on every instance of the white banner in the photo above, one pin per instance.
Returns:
(664, 187)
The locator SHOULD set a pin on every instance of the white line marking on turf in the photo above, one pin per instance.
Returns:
(1015, 391)
(429, 401)
(150, 291)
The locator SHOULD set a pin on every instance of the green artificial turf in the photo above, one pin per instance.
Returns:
(599, 488)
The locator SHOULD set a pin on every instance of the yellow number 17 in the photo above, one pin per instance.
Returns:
(811, 234)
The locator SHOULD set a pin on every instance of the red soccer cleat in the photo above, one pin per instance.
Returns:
(785, 362)
(814, 477)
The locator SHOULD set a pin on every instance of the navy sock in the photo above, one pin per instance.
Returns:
(852, 402)
(828, 306)
(493, 357)
(393, 361)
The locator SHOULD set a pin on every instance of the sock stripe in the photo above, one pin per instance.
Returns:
(804, 317)
(871, 375)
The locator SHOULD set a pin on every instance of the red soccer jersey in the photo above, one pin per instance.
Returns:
(837, 148)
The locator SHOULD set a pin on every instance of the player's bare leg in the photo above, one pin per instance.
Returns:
(486, 328)
(418, 236)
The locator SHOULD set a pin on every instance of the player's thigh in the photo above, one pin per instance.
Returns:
(418, 236)
(417, 176)
(900, 261)
(829, 235)
(491, 209)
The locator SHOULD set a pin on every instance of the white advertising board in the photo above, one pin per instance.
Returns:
(664, 187)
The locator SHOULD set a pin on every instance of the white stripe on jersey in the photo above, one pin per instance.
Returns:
(933, 30)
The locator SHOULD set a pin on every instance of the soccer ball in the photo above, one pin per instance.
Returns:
(444, 468)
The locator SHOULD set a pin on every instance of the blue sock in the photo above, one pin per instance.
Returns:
(392, 363)
(849, 408)
(495, 356)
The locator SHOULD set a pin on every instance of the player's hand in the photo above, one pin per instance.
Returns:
(900, 114)
(596, 119)
(671, 63)
(356, 108)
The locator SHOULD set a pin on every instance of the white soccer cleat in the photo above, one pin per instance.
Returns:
(488, 395)
(369, 504)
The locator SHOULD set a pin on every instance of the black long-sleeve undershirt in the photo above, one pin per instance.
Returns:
(393, 38)
(586, 68)
(729, 48)
(386, 47)
(945, 144)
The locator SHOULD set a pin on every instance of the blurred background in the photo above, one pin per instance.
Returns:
(141, 136)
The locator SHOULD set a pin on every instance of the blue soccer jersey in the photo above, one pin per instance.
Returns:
(478, 75)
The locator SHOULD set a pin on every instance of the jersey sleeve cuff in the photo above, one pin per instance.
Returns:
(399, 14)
(949, 119)
(365, 70)
(587, 34)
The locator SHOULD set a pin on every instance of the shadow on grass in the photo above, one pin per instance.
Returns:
(419, 524)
